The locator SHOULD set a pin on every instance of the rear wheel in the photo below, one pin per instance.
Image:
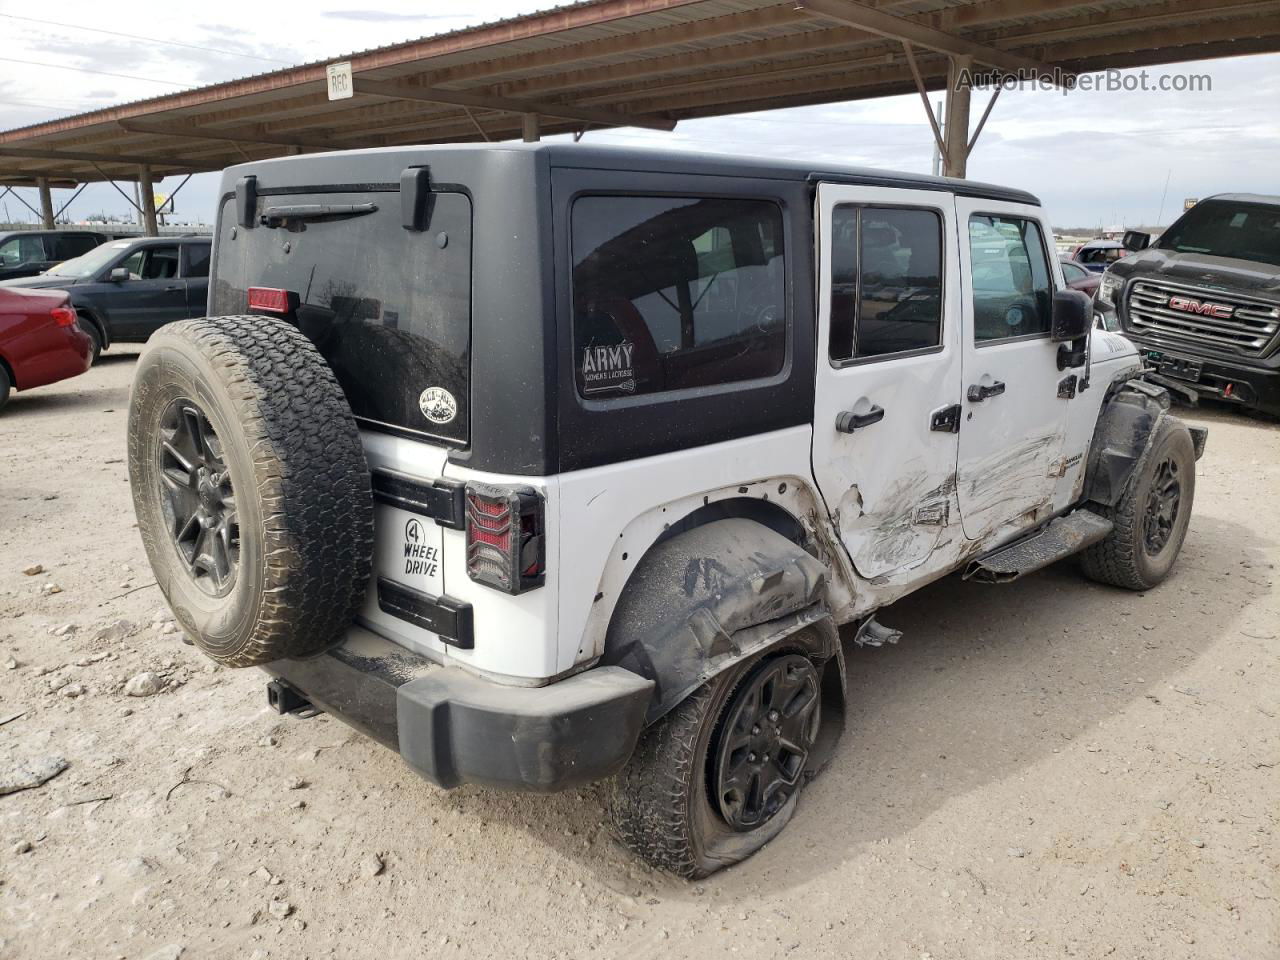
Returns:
(5, 386)
(89, 327)
(251, 488)
(1151, 519)
(719, 777)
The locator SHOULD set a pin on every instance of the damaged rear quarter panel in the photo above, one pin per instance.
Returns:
(610, 517)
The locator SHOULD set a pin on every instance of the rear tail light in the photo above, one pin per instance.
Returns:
(63, 316)
(506, 548)
(271, 300)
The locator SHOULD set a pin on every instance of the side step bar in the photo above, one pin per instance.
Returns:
(1061, 538)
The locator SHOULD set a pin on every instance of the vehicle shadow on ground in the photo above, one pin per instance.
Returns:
(45, 400)
(987, 680)
(113, 358)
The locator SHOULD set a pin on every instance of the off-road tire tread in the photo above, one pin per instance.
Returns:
(1114, 559)
(649, 799)
(311, 478)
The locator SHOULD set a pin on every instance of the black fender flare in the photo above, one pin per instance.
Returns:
(707, 598)
(1130, 418)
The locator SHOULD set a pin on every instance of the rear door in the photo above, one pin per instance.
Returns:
(195, 276)
(888, 373)
(1014, 425)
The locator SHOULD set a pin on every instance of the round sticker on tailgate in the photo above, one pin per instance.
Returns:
(437, 405)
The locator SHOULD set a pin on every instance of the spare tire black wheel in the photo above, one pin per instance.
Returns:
(251, 488)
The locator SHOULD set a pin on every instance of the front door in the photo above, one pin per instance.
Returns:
(888, 373)
(1013, 430)
(154, 294)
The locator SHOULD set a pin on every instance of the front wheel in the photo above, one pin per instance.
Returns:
(718, 777)
(1151, 518)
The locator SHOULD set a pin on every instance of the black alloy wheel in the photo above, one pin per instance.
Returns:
(197, 499)
(1163, 502)
(769, 727)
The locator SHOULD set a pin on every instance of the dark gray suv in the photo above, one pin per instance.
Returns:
(125, 290)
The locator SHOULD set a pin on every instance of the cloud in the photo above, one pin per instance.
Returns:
(1091, 156)
(386, 16)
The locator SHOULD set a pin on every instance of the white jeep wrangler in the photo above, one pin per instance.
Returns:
(547, 464)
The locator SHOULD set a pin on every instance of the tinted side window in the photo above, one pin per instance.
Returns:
(161, 263)
(676, 292)
(886, 281)
(197, 259)
(1012, 289)
(67, 247)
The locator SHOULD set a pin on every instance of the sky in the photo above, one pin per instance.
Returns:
(1095, 158)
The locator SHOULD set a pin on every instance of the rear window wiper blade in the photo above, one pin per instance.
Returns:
(280, 215)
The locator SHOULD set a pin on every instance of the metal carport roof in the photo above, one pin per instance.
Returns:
(618, 62)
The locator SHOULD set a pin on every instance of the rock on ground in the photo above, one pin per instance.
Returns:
(28, 774)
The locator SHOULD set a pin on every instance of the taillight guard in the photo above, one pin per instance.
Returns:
(506, 541)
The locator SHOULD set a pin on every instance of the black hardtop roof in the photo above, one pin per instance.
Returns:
(644, 159)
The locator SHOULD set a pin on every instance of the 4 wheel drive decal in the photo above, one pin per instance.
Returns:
(608, 368)
(420, 557)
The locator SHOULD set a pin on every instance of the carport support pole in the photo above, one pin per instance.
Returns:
(148, 201)
(957, 124)
(530, 128)
(46, 202)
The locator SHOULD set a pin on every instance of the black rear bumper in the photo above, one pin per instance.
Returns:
(453, 727)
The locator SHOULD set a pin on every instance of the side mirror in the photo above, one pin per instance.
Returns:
(1135, 240)
(1072, 315)
(118, 275)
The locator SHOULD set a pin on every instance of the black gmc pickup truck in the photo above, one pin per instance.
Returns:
(1203, 301)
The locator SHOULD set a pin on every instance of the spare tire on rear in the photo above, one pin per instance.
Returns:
(251, 488)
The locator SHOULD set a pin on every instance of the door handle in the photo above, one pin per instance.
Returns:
(978, 392)
(847, 421)
(172, 289)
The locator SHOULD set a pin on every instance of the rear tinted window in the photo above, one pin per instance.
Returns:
(66, 247)
(389, 308)
(886, 281)
(676, 292)
(197, 259)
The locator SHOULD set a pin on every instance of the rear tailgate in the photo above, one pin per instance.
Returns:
(389, 308)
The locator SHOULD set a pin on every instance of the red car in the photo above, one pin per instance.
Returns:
(40, 341)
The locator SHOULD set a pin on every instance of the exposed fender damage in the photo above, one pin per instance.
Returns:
(708, 598)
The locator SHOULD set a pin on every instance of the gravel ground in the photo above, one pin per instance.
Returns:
(1042, 769)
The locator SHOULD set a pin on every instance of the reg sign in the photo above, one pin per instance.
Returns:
(339, 77)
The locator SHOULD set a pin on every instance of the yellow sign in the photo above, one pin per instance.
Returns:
(159, 199)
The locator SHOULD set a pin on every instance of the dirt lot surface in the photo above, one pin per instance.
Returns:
(1051, 768)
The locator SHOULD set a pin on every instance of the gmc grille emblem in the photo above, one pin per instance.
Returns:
(1187, 305)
